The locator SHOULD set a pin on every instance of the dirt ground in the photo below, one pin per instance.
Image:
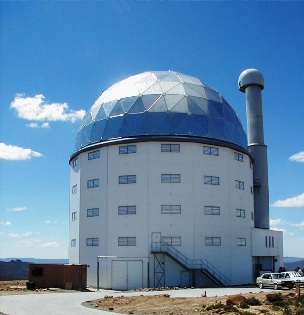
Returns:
(163, 304)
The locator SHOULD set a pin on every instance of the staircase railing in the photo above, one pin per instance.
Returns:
(192, 264)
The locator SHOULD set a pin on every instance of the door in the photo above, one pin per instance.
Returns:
(135, 274)
(156, 237)
(185, 279)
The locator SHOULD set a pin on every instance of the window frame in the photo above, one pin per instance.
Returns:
(93, 183)
(126, 241)
(170, 147)
(239, 157)
(127, 149)
(74, 189)
(74, 162)
(73, 242)
(92, 212)
(172, 240)
(239, 184)
(171, 209)
(211, 180)
(74, 216)
(171, 178)
(127, 210)
(92, 241)
(94, 155)
(240, 213)
(213, 241)
(127, 179)
(241, 241)
(212, 210)
(209, 150)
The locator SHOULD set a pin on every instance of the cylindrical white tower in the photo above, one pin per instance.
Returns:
(251, 82)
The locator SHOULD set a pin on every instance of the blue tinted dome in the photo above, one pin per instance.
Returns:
(160, 103)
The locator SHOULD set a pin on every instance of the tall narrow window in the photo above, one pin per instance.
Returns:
(74, 189)
(92, 183)
(127, 241)
(75, 162)
(92, 241)
(94, 155)
(170, 178)
(212, 241)
(212, 210)
(124, 210)
(127, 149)
(73, 242)
(74, 216)
(168, 147)
(171, 209)
(127, 179)
(211, 180)
(239, 184)
(211, 151)
(266, 242)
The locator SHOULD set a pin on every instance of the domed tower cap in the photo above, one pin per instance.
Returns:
(250, 77)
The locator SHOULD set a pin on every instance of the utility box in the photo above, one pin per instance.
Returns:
(62, 276)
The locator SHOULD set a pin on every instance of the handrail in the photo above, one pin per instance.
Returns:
(194, 264)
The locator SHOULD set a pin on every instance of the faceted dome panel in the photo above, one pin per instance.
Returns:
(160, 103)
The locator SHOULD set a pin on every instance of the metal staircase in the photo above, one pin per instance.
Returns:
(201, 265)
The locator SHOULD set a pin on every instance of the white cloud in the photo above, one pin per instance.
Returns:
(17, 209)
(273, 222)
(14, 153)
(37, 109)
(298, 157)
(35, 125)
(6, 223)
(49, 244)
(274, 228)
(14, 235)
(297, 201)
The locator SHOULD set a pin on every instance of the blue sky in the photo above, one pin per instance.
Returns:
(56, 58)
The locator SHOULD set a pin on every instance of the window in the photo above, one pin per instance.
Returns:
(170, 148)
(241, 241)
(172, 240)
(272, 241)
(127, 241)
(238, 157)
(75, 162)
(94, 212)
(92, 183)
(266, 243)
(73, 242)
(74, 189)
(212, 210)
(211, 151)
(252, 217)
(240, 213)
(212, 241)
(211, 180)
(37, 271)
(127, 179)
(74, 216)
(239, 184)
(92, 241)
(171, 209)
(170, 178)
(94, 155)
(127, 149)
(123, 210)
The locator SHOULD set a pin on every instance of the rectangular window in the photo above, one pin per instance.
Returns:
(272, 241)
(172, 240)
(240, 213)
(212, 210)
(127, 241)
(73, 242)
(94, 155)
(239, 184)
(127, 149)
(241, 241)
(170, 147)
(92, 183)
(75, 162)
(211, 180)
(266, 242)
(238, 157)
(252, 217)
(171, 209)
(211, 151)
(94, 212)
(74, 216)
(123, 210)
(212, 241)
(127, 179)
(74, 189)
(92, 241)
(170, 178)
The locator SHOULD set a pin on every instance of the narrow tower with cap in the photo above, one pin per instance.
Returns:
(251, 82)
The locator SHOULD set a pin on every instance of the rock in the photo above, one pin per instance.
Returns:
(235, 299)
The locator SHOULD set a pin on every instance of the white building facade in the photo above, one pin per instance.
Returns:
(161, 189)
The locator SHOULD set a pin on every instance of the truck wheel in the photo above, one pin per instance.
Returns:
(261, 285)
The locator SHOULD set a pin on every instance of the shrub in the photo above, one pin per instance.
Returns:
(299, 311)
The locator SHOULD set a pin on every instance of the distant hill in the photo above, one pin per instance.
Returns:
(292, 259)
(292, 265)
(18, 269)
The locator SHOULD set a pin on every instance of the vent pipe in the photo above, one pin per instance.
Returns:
(251, 82)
